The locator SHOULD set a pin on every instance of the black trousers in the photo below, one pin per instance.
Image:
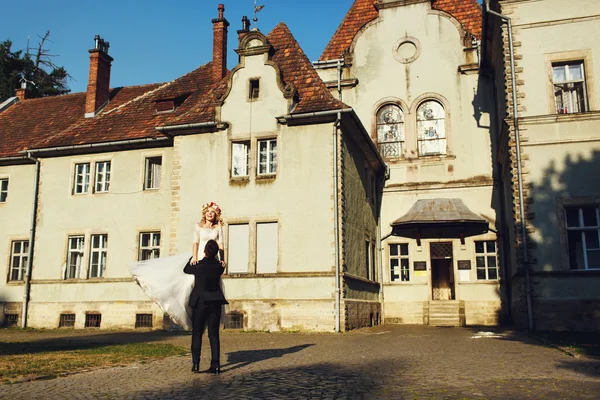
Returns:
(206, 315)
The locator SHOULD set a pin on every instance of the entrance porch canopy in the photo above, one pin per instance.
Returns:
(439, 218)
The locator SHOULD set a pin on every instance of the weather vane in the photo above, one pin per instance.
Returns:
(256, 9)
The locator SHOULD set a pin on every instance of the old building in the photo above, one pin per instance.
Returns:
(410, 69)
(385, 182)
(94, 181)
(549, 152)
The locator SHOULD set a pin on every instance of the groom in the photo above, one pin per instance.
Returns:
(206, 300)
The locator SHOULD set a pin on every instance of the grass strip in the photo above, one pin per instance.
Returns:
(50, 363)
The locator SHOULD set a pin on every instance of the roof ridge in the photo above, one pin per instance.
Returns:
(138, 98)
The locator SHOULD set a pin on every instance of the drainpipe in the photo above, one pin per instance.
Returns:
(336, 224)
(27, 289)
(519, 169)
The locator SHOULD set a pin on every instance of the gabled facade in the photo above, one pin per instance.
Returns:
(99, 180)
(410, 69)
(549, 149)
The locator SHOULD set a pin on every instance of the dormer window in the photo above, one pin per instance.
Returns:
(254, 89)
(165, 106)
(168, 104)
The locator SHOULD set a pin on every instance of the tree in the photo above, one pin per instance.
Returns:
(44, 78)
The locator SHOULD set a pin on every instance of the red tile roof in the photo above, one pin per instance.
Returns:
(27, 121)
(297, 70)
(136, 118)
(131, 112)
(361, 12)
(466, 12)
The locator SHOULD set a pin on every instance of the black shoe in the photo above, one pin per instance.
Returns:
(196, 368)
(214, 371)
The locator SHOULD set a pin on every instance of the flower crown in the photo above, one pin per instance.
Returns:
(212, 205)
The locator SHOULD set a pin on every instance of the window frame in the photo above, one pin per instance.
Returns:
(486, 254)
(253, 90)
(246, 143)
(267, 163)
(150, 178)
(102, 178)
(81, 258)
(4, 182)
(445, 152)
(399, 257)
(151, 247)
(568, 81)
(583, 229)
(86, 178)
(103, 255)
(23, 257)
(402, 124)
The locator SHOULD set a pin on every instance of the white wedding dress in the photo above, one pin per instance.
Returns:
(164, 281)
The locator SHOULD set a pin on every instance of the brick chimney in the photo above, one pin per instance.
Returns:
(22, 93)
(98, 89)
(245, 28)
(219, 65)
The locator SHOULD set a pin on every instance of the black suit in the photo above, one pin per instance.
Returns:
(206, 300)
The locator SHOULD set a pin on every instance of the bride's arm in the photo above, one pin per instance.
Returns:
(221, 250)
(195, 245)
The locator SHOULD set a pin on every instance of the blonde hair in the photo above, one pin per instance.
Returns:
(215, 208)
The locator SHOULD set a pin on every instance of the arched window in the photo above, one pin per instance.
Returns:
(431, 128)
(390, 131)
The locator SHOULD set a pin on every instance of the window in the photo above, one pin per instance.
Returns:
(66, 321)
(431, 129)
(486, 260)
(267, 156)
(254, 91)
(149, 246)
(240, 158)
(234, 321)
(583, 231)
(98, 256)
(93, 320)
(373, 267)
(267, 248)
(82, 178)
(390, 131)
(239, 248)
(143, 320)
(368, 258)
(399, 262)
(570, 92)
(11, 320)
(3, 190)
(74, 257)
(18, 259)
(152, 173)
(102, 176)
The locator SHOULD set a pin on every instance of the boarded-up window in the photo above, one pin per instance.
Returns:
(239, 248)
(267, 247)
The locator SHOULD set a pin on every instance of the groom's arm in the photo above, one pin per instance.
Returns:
(189, 268)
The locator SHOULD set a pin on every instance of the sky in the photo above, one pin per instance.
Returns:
(157, 41)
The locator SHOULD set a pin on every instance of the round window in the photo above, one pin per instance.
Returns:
(407, 50)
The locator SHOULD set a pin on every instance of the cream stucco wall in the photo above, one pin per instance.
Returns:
(122, 213)
(15, 223)
(466, 170)
(551, 30)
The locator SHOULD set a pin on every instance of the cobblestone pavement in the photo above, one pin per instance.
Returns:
(397, 362)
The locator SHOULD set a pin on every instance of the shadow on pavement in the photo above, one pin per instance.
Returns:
(589, 366)
(239, 359)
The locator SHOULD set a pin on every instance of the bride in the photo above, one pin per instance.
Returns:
(163, 279)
